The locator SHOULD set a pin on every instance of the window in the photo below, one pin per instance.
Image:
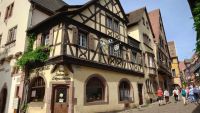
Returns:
(45, 39)
(146, 39)
(116, 26)
(9, 11)
(151, 61)
(147, 23)
(112, 24)
(143, 21)
(82, 41)
(133, 56)
(109, 22)
(124, 91)
(173, 72)
(12, 34)
(95, 90)
(115, 50)
(37, 90)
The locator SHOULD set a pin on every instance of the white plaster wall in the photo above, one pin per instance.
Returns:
(21, 17)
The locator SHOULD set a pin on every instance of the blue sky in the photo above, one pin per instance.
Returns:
(177, 20)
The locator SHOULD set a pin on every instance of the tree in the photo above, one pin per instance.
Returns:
(196, 13)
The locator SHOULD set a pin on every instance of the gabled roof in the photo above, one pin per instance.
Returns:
(90, 2)
(51, 5)
(154, 17)
(135, 16)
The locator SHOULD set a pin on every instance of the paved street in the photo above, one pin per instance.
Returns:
(169, 108)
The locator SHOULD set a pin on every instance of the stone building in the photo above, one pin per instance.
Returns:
(176, 74)
(14, 22)
(140, 28)
(161, 50)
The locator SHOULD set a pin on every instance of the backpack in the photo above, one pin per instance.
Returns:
(183, 92)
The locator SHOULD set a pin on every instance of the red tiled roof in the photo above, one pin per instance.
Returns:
(154, 17)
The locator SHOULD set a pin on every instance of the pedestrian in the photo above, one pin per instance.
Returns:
(196, 94)
(183, 94)
(191, 94)
(166, 95)
(187, 92)
(175, 94)
(160, 96)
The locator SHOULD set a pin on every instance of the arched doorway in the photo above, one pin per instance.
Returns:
(3, 97)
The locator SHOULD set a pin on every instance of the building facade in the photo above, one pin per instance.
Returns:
(161, 50)
(93, 64)
(176, 74)
(139, 27)
(13, 25)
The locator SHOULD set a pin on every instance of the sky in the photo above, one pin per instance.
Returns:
(176, 16)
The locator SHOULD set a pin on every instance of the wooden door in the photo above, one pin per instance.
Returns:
(140, 86)
(60, 99)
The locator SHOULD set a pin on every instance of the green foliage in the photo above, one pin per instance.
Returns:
(31, 40)
(196, 13)
(40, 54)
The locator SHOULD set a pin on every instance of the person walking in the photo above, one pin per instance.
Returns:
(160, 96)
(166, 96)
(175, 94)
(183, 94)
(187, 92)
(196, 94)
(191, 94)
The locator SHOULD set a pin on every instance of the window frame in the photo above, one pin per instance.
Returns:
(131, 91)
(9, 11)
(80, 39)
(111, 23)
(12, 37)
(40, 86)
(45, 36)
(105, 98)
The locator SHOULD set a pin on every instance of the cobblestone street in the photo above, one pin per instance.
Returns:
(169, 108)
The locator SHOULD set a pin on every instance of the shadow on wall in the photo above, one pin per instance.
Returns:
(197, 110)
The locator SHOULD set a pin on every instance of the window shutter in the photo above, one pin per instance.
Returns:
(91, 41)
(51, 37)
(75, 35)
(39, 40)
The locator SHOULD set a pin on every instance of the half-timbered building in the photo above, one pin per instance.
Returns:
(91, 65)
(139, 27)
(161, 50)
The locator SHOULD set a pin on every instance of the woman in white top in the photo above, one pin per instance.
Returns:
(166, 95)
